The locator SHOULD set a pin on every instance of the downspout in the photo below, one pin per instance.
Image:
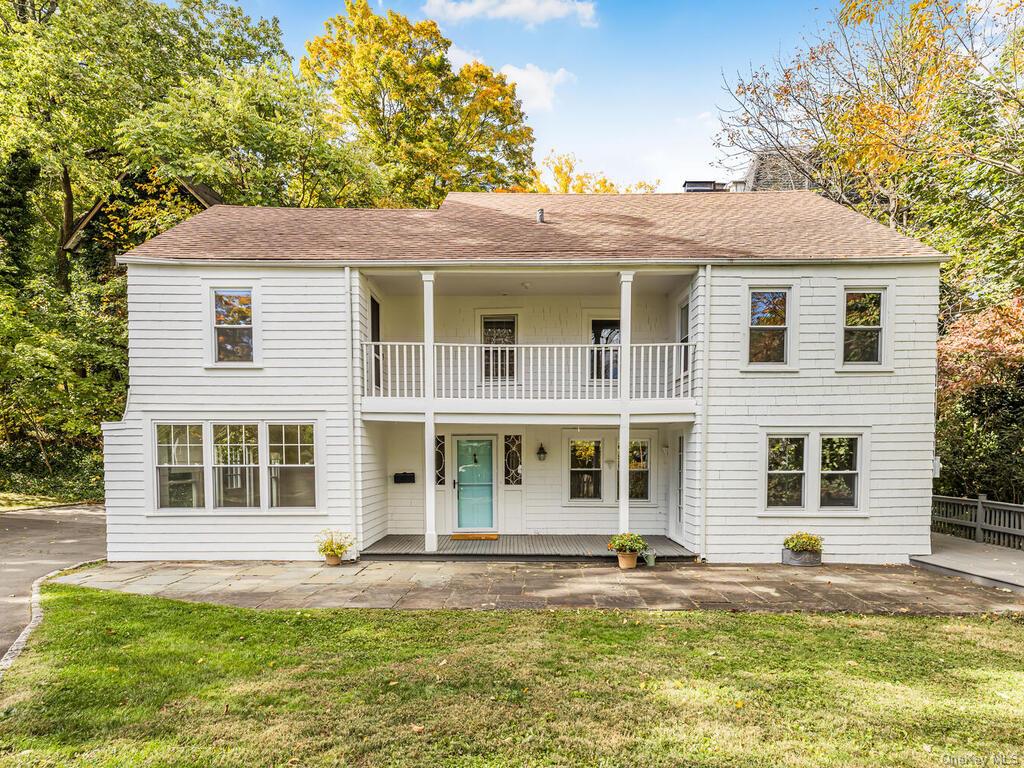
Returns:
(353, 472)
(704, 418)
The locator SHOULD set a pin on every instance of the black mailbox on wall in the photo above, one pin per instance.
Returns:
(405, 477)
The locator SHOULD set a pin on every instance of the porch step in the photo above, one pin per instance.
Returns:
(516, 547)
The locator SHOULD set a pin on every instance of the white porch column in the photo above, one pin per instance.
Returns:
(429, 490)
(625, 387)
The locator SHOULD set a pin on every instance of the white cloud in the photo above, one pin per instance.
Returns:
(530, 12)
(459, 57)
(536, 86)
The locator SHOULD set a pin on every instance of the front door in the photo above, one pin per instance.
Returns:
(475, 483)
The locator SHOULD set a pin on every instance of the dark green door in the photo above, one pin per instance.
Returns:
(475, 482)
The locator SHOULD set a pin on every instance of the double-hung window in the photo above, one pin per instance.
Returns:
(292, 465)
(236, 465)
(768, 326)
(584, 470)
(259, 465)
(639, 470)
(840, 461)
(862, 326)
(179, 466)
(233, 325)
(786, 459)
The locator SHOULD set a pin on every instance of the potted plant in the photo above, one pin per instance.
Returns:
(802, 549)
(334, 544)
(627, 546)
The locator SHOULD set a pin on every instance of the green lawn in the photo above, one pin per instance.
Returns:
(121, 680)
(10, 500)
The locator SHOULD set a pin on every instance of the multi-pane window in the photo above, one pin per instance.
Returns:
(785, 471)
(639, 470)
(839, 469)
(604, 361)
(513, 459)
(439, 462)
(862, 327)
(292, 465)
(179, 460)
(584, 469)
(236, 465)
(768, 326)
(499, 331)
(232, 325)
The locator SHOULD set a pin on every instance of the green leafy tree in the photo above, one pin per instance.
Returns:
(259, 136)
(18, 177)
(69, 78)
(431, 130)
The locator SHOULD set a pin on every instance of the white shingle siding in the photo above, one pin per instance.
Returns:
(307, 345)
(303, 319)
(897, 409)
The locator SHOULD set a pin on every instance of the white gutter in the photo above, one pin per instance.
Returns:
(521, 261)
(704, 419)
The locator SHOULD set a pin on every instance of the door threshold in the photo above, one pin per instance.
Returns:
(474, 537)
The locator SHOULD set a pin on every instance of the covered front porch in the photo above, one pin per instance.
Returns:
(519, 547)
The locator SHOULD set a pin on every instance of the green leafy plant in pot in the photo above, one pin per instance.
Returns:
(802, 549)
(333, 545)
(627, 546)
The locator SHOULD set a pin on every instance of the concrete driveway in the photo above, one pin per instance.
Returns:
(34, 542)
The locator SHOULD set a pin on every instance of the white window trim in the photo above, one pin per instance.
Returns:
(610, 468)
(607, 499)
(210, 331)
(481, 316)
(858, 490)
(886, 345)
(792, 362)
(652, 479)
(804, 472)
(207, 420)
(812, 474)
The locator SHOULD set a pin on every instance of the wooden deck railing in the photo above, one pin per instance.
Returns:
(990, 522)
(528, 371)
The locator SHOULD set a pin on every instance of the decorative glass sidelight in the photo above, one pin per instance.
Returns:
(513, 459)
(439, 463)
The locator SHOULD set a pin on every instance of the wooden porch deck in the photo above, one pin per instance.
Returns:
(514, 547)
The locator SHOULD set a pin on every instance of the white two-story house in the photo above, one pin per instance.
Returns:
(714, 371)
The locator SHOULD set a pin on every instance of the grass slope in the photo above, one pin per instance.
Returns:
(123, 680)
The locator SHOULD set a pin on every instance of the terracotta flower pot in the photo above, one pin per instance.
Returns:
(627, 560)
(332, 559)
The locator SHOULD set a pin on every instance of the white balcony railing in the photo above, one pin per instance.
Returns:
(393, 369)
(527, 371)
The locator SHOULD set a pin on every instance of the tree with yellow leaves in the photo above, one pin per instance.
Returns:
(430, 129)
(910, 112)
(558, 173)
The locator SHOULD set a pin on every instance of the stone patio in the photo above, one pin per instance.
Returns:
(506, 585)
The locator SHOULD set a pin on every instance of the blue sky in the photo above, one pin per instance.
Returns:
(632, 88)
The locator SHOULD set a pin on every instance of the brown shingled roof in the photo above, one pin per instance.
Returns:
(488, 226)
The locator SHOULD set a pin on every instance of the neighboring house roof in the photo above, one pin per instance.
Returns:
(770, 170)
(202, 194)
(498, 227)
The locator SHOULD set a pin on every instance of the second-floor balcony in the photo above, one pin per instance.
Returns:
(659, 371)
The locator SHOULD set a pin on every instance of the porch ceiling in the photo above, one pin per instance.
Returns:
(536, 282)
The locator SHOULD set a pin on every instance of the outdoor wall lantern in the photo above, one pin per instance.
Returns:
(541, 453)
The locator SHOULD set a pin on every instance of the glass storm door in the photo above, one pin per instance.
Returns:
(475, 482)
